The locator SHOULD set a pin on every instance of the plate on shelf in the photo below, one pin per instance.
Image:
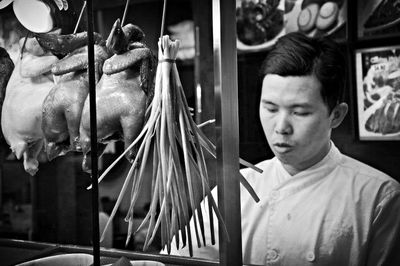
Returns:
(82, 259)
(291, 19)
(265, 21)
(258, 47)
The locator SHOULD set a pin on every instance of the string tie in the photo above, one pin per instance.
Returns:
(168, 60)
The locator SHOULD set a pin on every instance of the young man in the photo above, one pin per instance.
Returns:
(317, 205)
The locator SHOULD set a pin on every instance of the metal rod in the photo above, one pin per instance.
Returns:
(227, 127)
(125, 12)
(197, 83)
(163, 18)
(93, 138)
(80, 17)
(23, 45)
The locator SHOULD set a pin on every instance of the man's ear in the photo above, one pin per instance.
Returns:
(338, 114)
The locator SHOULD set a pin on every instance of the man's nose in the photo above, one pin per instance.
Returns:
(283, 124)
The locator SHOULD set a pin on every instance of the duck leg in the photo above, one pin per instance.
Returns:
(31, 164)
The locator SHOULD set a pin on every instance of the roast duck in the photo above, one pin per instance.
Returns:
(6, 69)
(62, 108)
(386, 118)
(21, 116)
(123, 92)
(46, 102)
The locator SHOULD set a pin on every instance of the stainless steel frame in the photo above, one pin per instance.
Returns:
(227, 128)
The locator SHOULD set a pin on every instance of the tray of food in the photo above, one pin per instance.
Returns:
(259, 23)
(315, 17)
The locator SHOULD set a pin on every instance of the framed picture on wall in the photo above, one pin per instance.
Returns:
(378, 93)
(378, 18)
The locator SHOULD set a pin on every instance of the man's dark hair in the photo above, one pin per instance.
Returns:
(296, 54)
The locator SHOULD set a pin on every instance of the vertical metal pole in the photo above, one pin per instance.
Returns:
(34, 202)
(93, 138)
(227, 125)
(197, 85)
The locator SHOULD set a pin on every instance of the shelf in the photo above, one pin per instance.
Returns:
(103, 4)
(17, 251)
(366, 42)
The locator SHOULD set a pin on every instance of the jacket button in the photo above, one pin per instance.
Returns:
(310, 256)
(272, 254)
(274, 195)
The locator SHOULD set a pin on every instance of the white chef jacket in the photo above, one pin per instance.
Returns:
(338, 212)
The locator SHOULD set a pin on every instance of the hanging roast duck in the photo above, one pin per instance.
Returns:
(123, 92)
(21, 116)
(62, 108)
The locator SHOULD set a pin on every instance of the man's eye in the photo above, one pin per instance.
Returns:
(272, 110)
(301, 113)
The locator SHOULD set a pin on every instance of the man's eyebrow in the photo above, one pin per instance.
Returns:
(267, 102)
(294, 105)
(300, 105)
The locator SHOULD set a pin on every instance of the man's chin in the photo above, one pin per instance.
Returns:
(285, 158)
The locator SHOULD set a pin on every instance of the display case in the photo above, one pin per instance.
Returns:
(60, 211)
(51, 212)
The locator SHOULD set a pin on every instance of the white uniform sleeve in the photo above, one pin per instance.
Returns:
(385, 236)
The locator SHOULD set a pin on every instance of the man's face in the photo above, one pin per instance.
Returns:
(295, 119)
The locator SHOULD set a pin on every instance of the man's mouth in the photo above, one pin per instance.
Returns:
(282, 144)
(282, 147)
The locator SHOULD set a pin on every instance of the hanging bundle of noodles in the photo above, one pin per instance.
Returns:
(175, 145)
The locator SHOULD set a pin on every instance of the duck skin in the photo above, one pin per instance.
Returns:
(62, 108)
(21, 116)
(123, 92)
(6, 69)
